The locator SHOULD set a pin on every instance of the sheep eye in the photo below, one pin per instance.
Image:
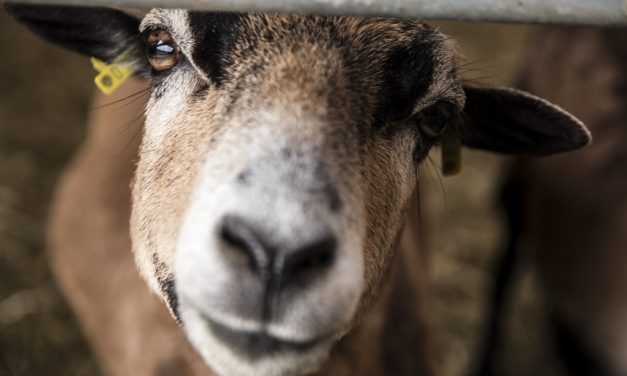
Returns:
(434, 119)
(161, 50)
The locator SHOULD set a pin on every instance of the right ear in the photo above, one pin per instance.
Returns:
(99, 32)
(515, 122)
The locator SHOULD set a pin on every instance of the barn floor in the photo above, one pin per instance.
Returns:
(44, 95)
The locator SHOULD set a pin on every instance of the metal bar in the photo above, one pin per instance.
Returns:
(574, 12)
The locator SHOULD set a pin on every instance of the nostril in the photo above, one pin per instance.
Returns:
(243, 248)
(311, 259)
(242, 245)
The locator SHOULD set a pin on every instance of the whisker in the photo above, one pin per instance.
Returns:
(483, 70)
(130, 142)
(480, 78)
(471, 62)
(435, 168)
(419, 196)
(128, 125)
(143, 91)
(138, 98)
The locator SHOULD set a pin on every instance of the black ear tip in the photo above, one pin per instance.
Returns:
(585, 135)
(572, 133)
(516, 122)
(578, 135)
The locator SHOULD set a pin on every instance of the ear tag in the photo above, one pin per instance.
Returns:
(451, 152)
(111, 76)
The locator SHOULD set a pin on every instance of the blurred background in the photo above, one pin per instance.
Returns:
(44, 99)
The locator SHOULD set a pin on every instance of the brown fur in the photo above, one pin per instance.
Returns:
(130, 329)
(295, 72)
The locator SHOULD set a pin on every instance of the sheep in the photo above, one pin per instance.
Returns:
(276, 172)
(567, 213)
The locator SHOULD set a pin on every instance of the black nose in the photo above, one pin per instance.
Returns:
(248, 248)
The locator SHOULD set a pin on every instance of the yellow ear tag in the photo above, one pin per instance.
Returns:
(451, 152)
(111, 76)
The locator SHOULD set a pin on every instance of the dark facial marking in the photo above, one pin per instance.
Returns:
(409, 72)
(167, 285)
(215, 35)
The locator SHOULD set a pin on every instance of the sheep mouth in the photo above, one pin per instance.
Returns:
(256, 345)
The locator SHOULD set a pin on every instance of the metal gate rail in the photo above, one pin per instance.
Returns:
(575, 12)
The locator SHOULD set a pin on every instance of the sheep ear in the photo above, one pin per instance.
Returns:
(99, 32)
(515, 122)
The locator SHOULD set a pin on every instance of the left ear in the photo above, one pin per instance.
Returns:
(103, 33)
(515, 122)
